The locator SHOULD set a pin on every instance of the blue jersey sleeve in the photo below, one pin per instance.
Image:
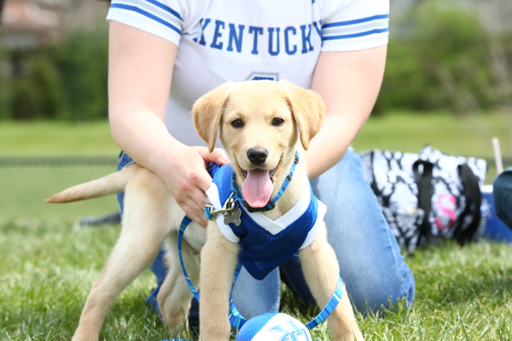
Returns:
(350, 25)
(163, 18)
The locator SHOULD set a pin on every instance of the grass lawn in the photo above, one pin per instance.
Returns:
(56, 138)
(403, 131)
(47, 267)
(24, 188)
(466, 136)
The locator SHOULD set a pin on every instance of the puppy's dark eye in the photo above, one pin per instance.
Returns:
(276, 122)
(238, 123)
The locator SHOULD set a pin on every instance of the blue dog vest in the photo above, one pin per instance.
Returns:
(265, 243)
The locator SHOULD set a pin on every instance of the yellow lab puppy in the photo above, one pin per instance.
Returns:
(260, 124)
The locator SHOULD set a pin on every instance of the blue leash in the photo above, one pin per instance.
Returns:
(235, 318)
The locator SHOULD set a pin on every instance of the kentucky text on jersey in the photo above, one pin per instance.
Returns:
(342, 25)
(220, 40)
(230, 36)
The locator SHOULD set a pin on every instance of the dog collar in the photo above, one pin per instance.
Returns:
(272, 201)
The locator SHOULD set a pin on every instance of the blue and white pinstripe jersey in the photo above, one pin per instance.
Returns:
(264, 243)
(221, 40)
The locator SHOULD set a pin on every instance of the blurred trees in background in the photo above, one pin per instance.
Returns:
(64, 81)
(439, 58)
(444, 58)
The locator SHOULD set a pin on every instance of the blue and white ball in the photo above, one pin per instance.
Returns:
(273, 327)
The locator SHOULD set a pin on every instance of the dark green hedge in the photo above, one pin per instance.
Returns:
(445, 59)
(65, 81)
(82, 62)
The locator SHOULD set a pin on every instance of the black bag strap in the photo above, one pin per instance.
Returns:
(373, 183)
(425, 191)
(473, 195)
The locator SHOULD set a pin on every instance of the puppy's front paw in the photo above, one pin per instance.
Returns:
(219, 331)
(83, 335)
(354, 335)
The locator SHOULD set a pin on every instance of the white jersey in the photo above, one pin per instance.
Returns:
(220, 40)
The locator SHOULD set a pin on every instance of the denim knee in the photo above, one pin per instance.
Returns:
(502, 195)
(371, 265)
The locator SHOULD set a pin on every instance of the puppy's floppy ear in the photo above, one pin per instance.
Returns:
(207, 112)
(307, 108)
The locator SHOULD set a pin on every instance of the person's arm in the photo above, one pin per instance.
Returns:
(349, 83)
(140, 72)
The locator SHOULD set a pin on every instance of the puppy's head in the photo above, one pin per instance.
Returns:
(259, 123)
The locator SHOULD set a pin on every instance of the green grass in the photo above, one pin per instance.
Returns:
(462, 294)
(47, 269)
(56, 138)
(23, 190)
(404, 131)
(466, 136)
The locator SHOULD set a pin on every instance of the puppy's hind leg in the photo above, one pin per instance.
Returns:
(175, 295)
(144, 227)
(321, 271)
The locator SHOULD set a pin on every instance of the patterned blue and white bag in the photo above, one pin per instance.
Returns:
(427, 197)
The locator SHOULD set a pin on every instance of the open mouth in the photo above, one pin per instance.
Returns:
(271, 173)
(258, 185)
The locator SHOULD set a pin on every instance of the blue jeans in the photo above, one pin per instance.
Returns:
(502, 195)
(371, 265)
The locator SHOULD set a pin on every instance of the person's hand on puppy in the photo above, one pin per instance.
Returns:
(187, 178)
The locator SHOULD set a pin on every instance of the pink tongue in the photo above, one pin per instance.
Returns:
(257, 188)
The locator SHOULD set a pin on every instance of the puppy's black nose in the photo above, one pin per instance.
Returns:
(257, 155)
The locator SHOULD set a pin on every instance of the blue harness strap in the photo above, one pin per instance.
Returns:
(264, 244)
(235, 318)
(184, 223)
(329, 308)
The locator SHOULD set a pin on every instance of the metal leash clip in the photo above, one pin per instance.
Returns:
(230, 211)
